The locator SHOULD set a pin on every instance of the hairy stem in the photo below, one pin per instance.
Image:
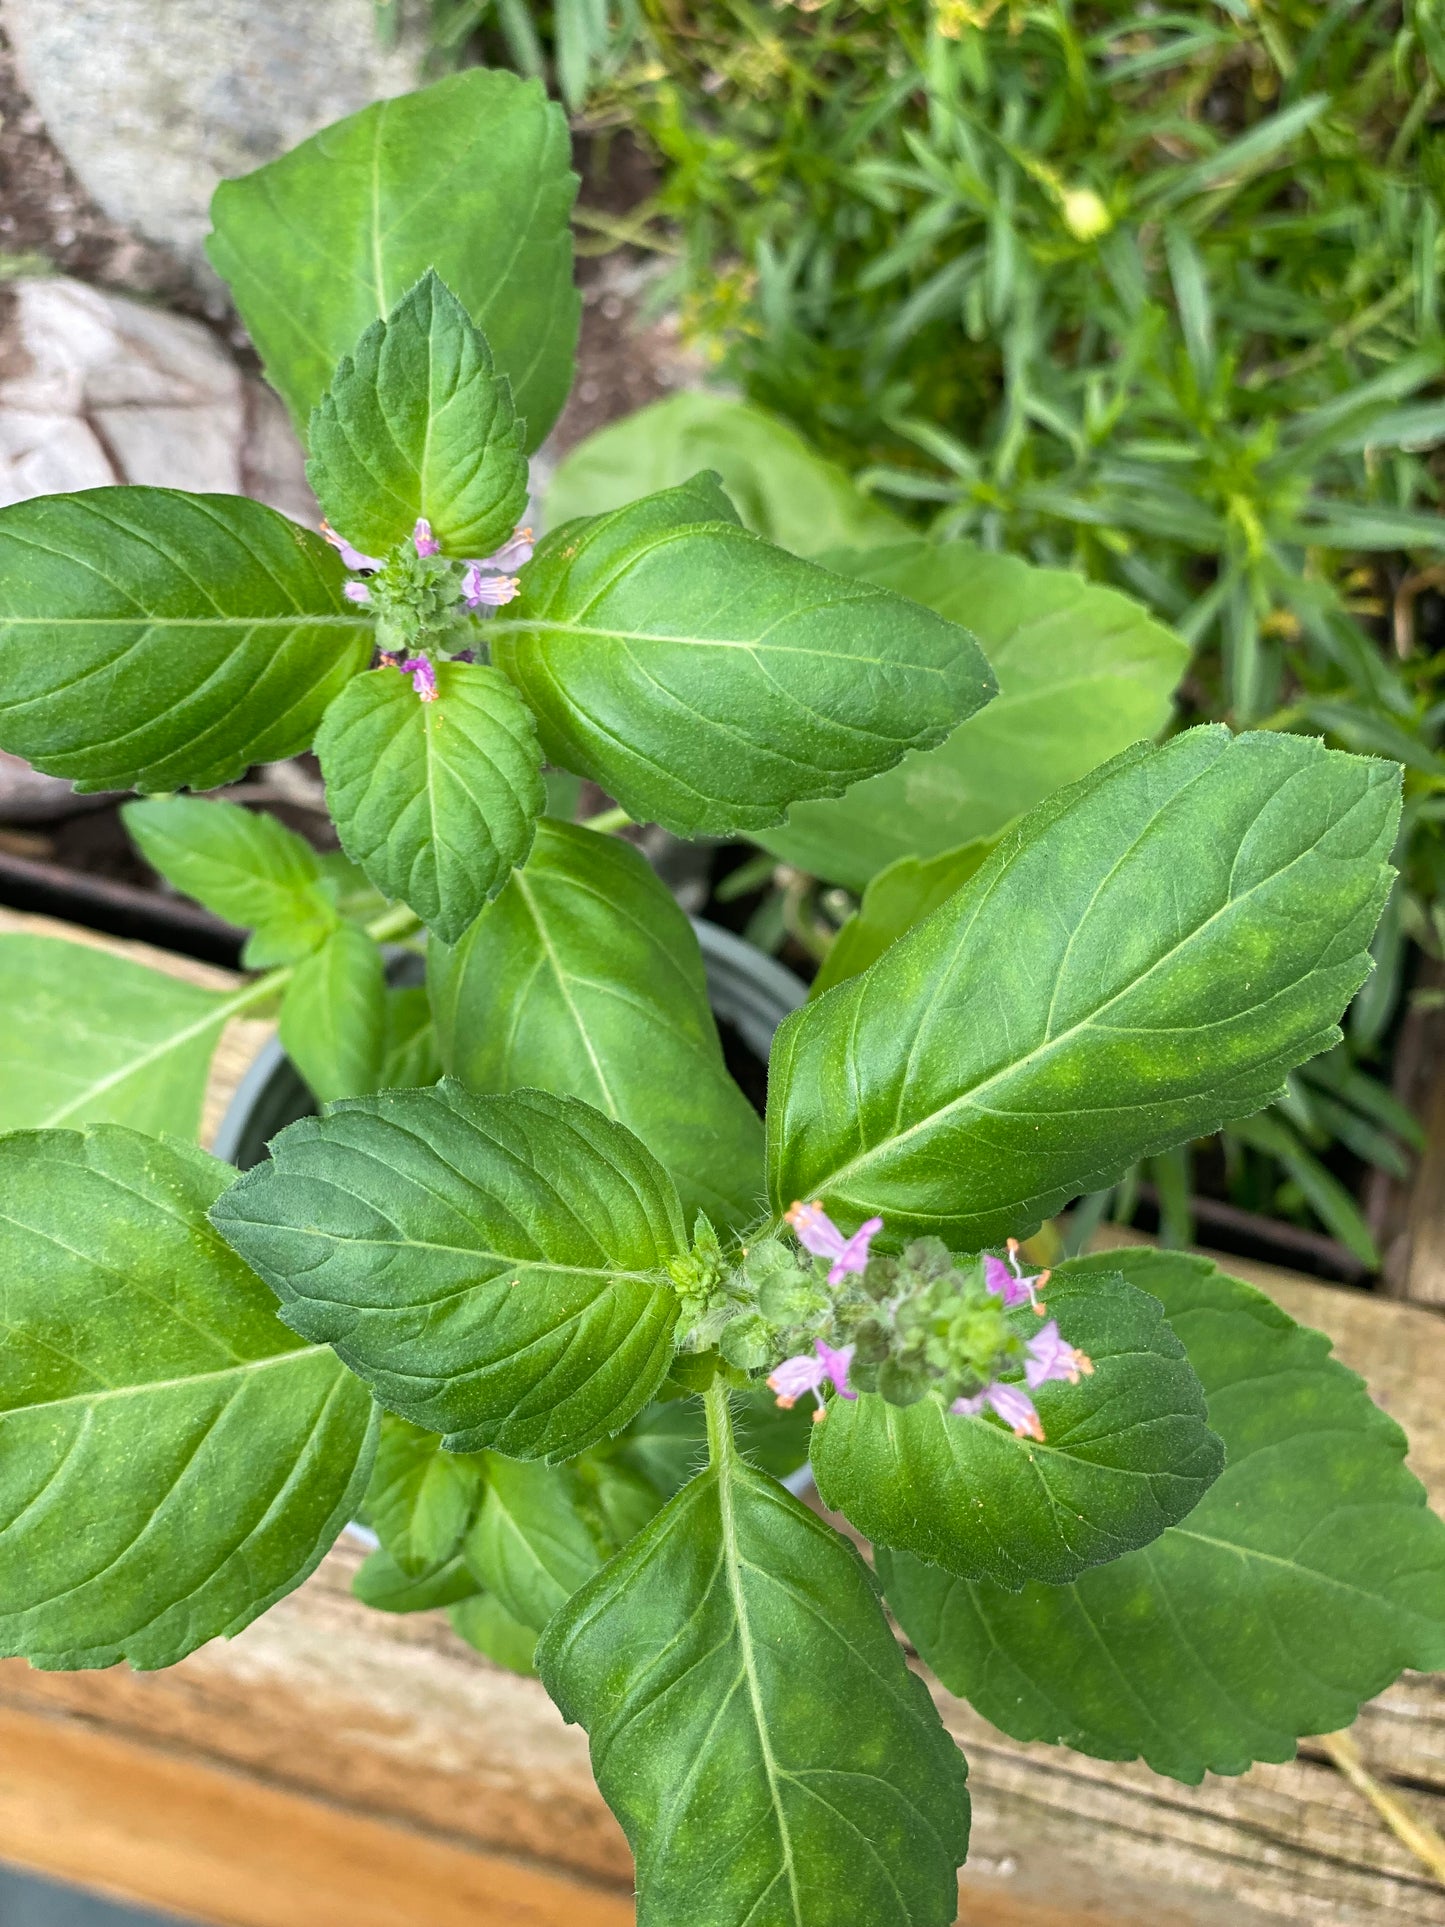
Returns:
(392, 924)
(606, 821)
(721, 1445)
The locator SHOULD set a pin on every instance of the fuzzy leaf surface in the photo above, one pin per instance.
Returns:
(1083, 671)
(753, 1724)
(417, 422)
(584, 977)
(1142, 958)
(709, 680)
(491, 1266)
(435, 800)
(152, 640)
(172, 1459)
(1306, 1579)
(1126, 1452)
(470, 177)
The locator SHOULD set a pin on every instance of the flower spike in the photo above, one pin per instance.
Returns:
(1011, 1284)
(423, 677)
(1011, 1402)
(352, 557)
(423, 541)
(804, 1374)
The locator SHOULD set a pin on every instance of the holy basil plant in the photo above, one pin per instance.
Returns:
(537, 1298)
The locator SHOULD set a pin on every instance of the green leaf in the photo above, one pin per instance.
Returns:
(98, 1039)
(421, 1499)
(469, 177)
(382, 1583)
(435, 800)
(532, 1545)
(491, 1266)
(243, 865)
(893, 902)
(155, 641)
(410, 1055)
(417, 423)
(753, 1724)
(1125, 1453)
(484, 1622)
(172, 1459)
(1082, 672)
(1044, 1028)
(783, 489)
(1306, 1579)
(707, 680)
(584, 977)
(333, 1016)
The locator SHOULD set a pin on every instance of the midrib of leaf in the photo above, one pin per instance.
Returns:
(294, 619)
(724, 1456)
(970, 1099)
(145, 1387)
(608, 633)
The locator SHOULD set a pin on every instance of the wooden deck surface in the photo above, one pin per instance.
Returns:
(339, 1767)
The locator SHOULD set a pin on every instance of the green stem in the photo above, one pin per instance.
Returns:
(606, 821)
(396, 922)
(717, 1401)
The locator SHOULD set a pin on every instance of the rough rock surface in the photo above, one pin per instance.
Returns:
(153, 101)
(95, 389)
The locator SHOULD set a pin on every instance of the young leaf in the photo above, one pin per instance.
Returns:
(417, 423)
(1309, 1575)
(532, 1545)
(103, 1040)
(382, 1583)
(1082, 672)
(784, 490)
(893, 902)
(242, 864)
(156, 641)
(584, 977)
(1125, 1453)
(707, 680)
(1043, 1028)
(421, 1499)
(469, 177)
(491, 1266)
(333, 1016)
(753, 1724)
(435, 800)
(172, 1459)
(484, 1622)
(409, 1051)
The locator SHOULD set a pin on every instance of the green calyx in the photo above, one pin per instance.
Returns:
(418, 603)
(921, 1324)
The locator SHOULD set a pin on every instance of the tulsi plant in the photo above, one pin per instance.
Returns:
(537, 1295)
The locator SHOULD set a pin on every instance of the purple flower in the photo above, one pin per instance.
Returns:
(816, 1232)
(422, 539)
(1011, 1285)
(353, 558)
(480, 591)
(1049, 1357)
(1011, 1402)
(423, 677)
(513, 554)
(356, 592)
(804, 1374)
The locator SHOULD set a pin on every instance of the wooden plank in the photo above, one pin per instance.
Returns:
(140, 1824)
(239, 1041)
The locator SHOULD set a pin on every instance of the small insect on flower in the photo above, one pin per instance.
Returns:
(1010, 1284)
(804, 1374)
(815, 1231)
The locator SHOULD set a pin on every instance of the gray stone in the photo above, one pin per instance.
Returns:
(154, 101)
(97, 389)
